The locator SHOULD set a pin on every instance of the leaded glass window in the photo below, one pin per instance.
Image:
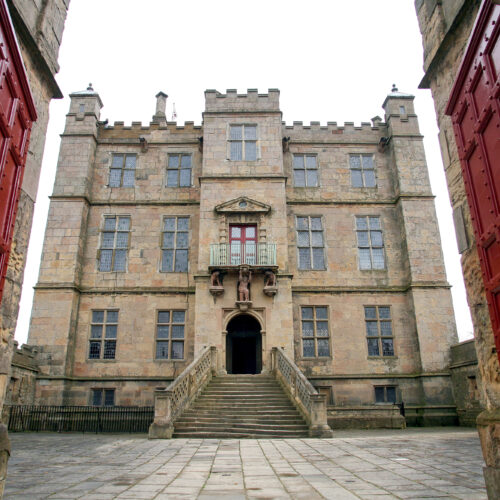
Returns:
(315, 332)
(362, 170)
(179, 170)
(310, 242)
(385, 394)
(379, 334)
(305, 170)
(170, 328)
(175, 245)
(370, 243)
(103, 334)
(103, 397)
(243, 142)
(114, 243)
(122, 171)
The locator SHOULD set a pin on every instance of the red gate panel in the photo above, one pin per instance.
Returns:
(475, 112)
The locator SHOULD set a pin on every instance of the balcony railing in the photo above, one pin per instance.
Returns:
(235, 254)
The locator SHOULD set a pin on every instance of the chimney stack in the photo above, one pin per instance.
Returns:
(161, 106)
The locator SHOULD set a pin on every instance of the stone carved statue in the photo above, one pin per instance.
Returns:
(244, 280)
(269, 278)
(216, 278)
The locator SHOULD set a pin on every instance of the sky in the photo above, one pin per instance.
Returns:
(332, 61)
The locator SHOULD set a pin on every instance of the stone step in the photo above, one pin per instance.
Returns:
(241, 406)
(266, 419)
(245, 426)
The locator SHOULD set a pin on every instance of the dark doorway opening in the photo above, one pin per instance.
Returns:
(243, 345)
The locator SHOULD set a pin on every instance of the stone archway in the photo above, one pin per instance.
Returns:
(243, 345)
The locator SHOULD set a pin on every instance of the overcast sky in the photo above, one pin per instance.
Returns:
(332, 61)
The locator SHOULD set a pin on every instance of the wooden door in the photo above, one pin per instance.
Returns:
(17, 112)
(475, 111)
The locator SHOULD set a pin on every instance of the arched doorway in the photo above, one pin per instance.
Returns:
(243, 345)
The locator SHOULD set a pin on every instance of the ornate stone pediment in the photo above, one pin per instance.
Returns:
(243, 205)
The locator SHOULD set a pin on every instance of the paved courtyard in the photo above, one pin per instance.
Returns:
(413, 463)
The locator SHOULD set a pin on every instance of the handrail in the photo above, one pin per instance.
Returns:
(236, 254)
(178, 396)
(305, 397)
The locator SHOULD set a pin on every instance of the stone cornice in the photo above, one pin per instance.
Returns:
(137, 290)
(358, 376)
(368, 289)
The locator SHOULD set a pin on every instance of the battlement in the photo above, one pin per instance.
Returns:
(331, 131)
(231, 101)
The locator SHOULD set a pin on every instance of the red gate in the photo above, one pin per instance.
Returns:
(475, 111)
(17, 112)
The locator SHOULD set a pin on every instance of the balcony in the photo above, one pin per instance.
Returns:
(236, 254)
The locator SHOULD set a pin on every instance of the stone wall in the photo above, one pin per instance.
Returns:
(465, 384)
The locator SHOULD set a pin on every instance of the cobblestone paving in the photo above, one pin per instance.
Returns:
(413, 463)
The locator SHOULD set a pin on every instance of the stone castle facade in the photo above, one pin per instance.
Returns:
(245, 234)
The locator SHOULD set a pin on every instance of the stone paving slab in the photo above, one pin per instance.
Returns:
(424, 463)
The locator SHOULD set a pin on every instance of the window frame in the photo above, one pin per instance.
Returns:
(243, 141)
(102, 391)
(175, 248)
(179, 168)
(379, 337)
(314, 320)
(310, 247)
(370, 245)
(103, 339)
(114, 248)
(305, 169)
(385, 387)
(362, 169)
(123, 168)
(170, 339)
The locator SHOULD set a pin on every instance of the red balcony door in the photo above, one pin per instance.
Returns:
(475, 111)
(243, 244)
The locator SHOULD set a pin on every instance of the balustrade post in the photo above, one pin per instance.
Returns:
(213, 360)
(162, 427)
(274, 361)
(319, 420)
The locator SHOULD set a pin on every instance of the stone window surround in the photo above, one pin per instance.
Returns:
(316, 169)
(103, 337)
(228, 142)
(379, 337)
(315, 337)
(381, 229)
(362, 169)
(169, 359)
(385, 386)
(103, 391)
(123, 154)
(101, 231)
(162, 230)
(323, 230)
(226, 220)
(178, 152)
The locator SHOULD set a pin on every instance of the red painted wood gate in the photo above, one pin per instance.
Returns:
(17, 113)
(475, 111)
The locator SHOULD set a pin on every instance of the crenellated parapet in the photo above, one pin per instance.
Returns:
(335, 133)
(250, 102)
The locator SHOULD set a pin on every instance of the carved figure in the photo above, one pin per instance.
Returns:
(269, 278)
(244, 280)
(216, 278)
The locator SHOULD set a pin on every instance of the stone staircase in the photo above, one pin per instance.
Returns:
(241, 406)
